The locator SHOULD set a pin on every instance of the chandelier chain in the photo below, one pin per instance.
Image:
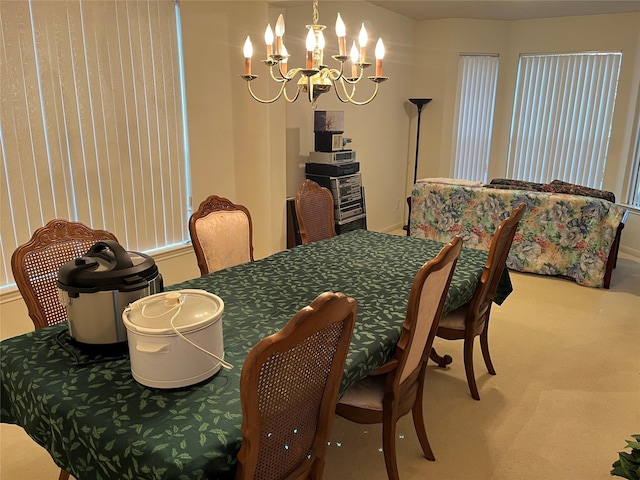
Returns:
(315, 12)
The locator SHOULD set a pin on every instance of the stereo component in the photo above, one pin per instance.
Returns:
(344, 156)
(332, 170)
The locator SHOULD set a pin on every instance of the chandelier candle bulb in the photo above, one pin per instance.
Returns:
(362, 39)
(248, 52)
(341, 33)
(311, 45)
(379, 57)
(320, 45)
(279, 34)
(283, 64)
(268, 40)
(354, 60)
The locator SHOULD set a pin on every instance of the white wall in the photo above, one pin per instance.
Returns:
(237, 145)
(631, 234)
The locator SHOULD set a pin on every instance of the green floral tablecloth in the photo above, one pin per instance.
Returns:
(559, 234)
(99, 423)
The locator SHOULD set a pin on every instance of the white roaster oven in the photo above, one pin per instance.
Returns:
(175, 338)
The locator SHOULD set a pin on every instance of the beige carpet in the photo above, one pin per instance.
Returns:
(566, 396)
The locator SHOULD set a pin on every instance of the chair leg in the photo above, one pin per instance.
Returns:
(389, 446)
(64, 475)
(442, 361)
(484, 344)
(468, 367)
(421, 431)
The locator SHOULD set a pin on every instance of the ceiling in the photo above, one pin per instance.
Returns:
(495, 9)
(505, 9)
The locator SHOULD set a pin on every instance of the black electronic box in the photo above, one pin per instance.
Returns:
(332, 170)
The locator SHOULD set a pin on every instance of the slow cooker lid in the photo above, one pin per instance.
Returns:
(190, 309)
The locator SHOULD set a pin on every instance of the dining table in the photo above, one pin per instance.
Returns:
(97, 422)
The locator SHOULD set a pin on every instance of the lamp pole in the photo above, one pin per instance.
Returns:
(418, 102)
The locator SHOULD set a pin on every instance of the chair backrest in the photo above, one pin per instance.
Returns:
(496, 261)
(221, 234)
(314, 209)
(426, 302)
(35, 266)
(289, 389)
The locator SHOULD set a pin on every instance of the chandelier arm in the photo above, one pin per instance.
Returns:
(310, 89)
(291, 100)
(280, 79)
(354, 80)
(350, 99)
(340, 98)
(334, 74)
(340, 83)
(349, 96)
(284, 77)
(361, 67)
(255, 97)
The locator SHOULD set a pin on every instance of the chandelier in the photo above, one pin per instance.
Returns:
(316, 78)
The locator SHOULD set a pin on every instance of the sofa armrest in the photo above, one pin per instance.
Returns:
(613, 253)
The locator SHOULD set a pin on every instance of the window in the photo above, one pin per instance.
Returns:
(92, 124)
(634, 191)
(476, 98)
(562, 117)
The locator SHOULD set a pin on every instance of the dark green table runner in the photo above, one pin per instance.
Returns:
(99, 423)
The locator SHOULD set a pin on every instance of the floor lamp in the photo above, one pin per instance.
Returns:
(418, 102)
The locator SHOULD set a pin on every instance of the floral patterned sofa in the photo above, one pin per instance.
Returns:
(569, 235)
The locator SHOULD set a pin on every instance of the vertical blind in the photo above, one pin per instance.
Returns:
(92, 121)
(634, 190)
(562, 115)
(476, 98)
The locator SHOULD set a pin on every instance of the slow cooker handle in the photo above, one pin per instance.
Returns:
(122, 258)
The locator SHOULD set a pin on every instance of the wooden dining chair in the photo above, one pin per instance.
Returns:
(396, 388)
(35, 266)
(315, 212)
(288, 391)
(472, 320)
(221, 234)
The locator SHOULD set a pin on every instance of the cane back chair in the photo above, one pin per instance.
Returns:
(315, 212)
(472, 320)
(35, 266)
(396, 388)
(288, 391)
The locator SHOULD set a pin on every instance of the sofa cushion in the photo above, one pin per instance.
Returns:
(558, 186)
(510, 184)
(511, 187)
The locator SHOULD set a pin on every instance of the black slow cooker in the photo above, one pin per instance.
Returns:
(98, 286)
